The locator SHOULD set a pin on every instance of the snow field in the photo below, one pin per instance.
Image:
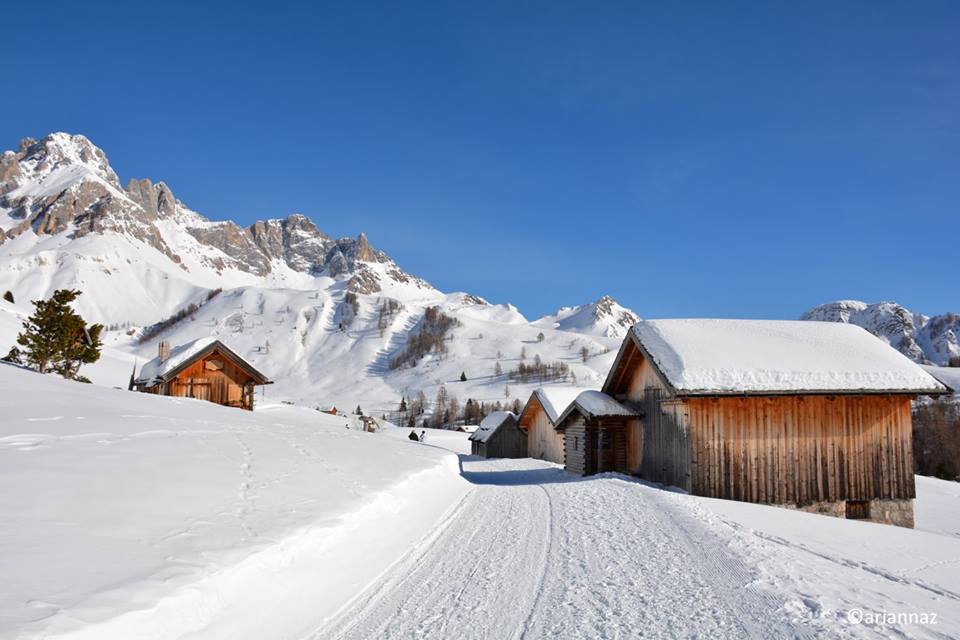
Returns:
(149, 517)
(534, 552)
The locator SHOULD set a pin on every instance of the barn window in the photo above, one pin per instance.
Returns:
(858, 509)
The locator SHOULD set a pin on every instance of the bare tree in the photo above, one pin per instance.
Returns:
(584, 353)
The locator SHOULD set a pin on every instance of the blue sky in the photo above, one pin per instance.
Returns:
(690, 159)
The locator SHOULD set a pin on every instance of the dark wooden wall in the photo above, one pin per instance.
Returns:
(802, 449)
(666, 441)
(507, 442)
(595, 445)
(575, 446)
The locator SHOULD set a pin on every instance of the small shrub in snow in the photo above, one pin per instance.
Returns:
(8, 296)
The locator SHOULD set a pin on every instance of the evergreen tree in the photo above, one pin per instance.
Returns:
(55, 338)
(463, 376)
(540, 337)
(8, 296)
(359, 411)
(497, 369)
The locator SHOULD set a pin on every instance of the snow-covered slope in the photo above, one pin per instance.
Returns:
(127, 515)
(923, 339)
(325, 318)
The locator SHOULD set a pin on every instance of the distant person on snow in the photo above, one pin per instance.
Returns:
(423, 436)
(413, 435)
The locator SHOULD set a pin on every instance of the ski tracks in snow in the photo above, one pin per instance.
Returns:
(532, 552)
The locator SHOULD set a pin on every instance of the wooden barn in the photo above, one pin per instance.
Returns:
(538, 420)
(205, 369)
(499, 436)
(596, 431)
(808, 415)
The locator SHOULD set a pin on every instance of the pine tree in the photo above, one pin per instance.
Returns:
(584, 353)
(8, 296)
(540, 337)
(497, 369)
(56, 338)
(463, 376)
(359, 411)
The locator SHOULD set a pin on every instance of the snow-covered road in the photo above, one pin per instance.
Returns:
(534, 552)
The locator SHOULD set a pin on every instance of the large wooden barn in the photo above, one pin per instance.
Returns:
(205, 369)
(499, 436)
(538, 420)
(810, 415)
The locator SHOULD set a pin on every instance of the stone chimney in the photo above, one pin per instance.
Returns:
(164, 351)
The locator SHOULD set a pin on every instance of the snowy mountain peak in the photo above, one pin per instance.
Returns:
(63, 186)
(605, 317)
(922, 338)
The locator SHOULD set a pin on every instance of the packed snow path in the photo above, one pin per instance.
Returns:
(534, 552)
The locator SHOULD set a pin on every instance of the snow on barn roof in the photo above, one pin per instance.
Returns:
(180, 355)
(155, 369)
(950, 376)
(490, 424)
(555, 400)
(700, 356)
(595, 404)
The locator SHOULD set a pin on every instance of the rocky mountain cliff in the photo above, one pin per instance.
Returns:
(924, 339)
(63, 184)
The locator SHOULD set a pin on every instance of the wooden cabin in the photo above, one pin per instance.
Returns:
(499, 436)
(596, 432)
(538, 420)
(808, 415)
(205, 369)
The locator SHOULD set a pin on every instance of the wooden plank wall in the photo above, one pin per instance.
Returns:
(575, 442)
(580, 435)
(224, 386)
(666, 441)
(802, 449)
(508, 442)
(620, 449)
(543, 441)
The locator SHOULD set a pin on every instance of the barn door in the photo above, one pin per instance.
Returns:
(199, 388)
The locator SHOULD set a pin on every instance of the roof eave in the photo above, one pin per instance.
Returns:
(810, 392)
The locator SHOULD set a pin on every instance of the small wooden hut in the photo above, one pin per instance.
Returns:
(596, 431)
(499, 436)
(538, 420)
(810, 415)
(205, 369)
